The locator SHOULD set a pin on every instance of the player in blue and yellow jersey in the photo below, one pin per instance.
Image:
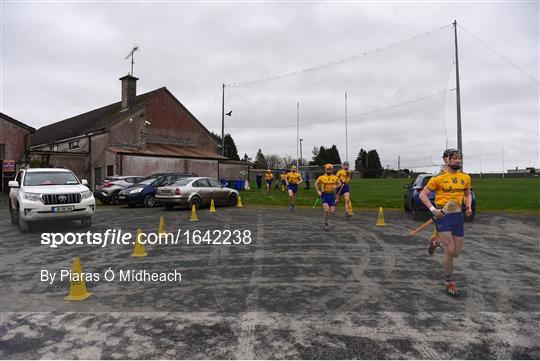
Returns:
(344, 175)
(293, 179)
(326, 186)
(283, 177)
(449, 184)
(268, 176)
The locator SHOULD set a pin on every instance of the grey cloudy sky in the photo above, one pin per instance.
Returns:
(60, 59)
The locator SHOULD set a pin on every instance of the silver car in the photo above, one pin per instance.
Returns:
(107, 191)
(195, 191)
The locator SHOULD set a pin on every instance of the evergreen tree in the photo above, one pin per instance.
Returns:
(260, 161)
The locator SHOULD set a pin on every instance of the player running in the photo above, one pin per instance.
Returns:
(344, 175)
(326, 186)
(450, 184)
(268, 176)
(293, 179)
(283, 177)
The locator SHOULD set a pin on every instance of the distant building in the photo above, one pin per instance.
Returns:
(139, 135)
(14, 144)
(524, 171)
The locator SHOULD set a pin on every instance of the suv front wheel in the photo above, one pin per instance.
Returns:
(24, 226)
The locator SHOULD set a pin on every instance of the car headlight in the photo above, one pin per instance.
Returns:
(86, 194)
(136, 190)
(34, 197)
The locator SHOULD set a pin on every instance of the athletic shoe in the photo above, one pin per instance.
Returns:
(326, 228)
(348, 215)
(451, 288)
(433, 243)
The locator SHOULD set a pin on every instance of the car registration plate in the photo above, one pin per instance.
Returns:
(121, 197)
(62, 209)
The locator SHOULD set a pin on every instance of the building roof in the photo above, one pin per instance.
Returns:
(16, 122)
(167, 150)
(88, 122)
(96, 120)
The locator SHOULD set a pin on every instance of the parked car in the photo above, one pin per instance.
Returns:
(413, 204)
(196, 191)
(49, 194)
(144, 192)
(107, 191)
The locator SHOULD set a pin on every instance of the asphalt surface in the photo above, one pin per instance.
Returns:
(296, 292)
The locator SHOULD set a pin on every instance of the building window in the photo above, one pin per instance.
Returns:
(2, 151)
(109, 171)
(74, 144)
(53, 148)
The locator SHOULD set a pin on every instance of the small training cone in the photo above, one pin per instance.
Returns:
(212, 206)
(77, 287)
(193, 214)
(239, 204)
(161, 228)
(380, 220)
(139, 250)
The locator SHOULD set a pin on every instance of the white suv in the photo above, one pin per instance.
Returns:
(41, 194)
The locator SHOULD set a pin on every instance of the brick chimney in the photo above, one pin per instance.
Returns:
(129, 91)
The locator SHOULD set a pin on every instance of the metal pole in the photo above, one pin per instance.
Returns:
(458, 99)
(480, 162)
(346, 136)
(297, 132)
(301, 150)
(223, 121)
(398, 163)
(503, 162)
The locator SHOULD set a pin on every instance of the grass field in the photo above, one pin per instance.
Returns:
(491, 194)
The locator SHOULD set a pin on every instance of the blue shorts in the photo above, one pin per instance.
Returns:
(293, 187)
(452, 222)
(344, 189)
(269, 182)
(329, 198)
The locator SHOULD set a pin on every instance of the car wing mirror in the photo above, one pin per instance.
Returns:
(84, 182)
(13, 184)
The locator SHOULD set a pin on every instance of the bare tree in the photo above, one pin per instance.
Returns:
(273, 161)
(287, 161)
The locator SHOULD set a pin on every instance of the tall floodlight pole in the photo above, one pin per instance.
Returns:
(297, 133)
(301, 158)
(223, 121)
(346, 136)
(458, 101)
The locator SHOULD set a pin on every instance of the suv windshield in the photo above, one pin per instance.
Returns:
(49, 179)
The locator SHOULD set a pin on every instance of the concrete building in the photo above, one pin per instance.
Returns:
(14, 143)
(139, 135)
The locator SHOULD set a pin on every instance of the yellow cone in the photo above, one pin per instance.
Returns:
(239, 204)
(77, 287)
(380, 220)
(193, 214)
(161, 228)
(212, 206)
(139, 250)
